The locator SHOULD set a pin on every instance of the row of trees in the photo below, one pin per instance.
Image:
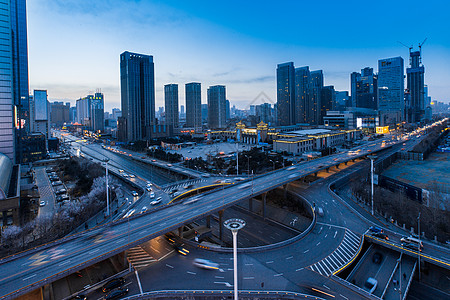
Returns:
(254, 160)
(434, 220)
(67, 217)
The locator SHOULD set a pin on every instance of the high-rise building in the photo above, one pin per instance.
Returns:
(302, 77)
(216, 106)
(364, 88)
(416, 88)
(171, 106)
(391, 90)
(137, 84)
(7, 136)
(204, 113)
(90, 112)
(313, 107)
(116, 112)
(193, 94)
(342, 100)
(264, 113)
(41, 113)
(59, 113)
(327, 101)
(20, 62)
(227, 109)
(285, 94)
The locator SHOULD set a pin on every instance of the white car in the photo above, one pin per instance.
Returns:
(120, 171)
(134, 193)
(42, 203)
(131, 175)
(144, 209)
(152, 195)
(157, 201)
(149, 183)
(205, 264)
(149, 189)
(291, 168)
(245, 185)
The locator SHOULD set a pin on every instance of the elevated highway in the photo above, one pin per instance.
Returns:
(34, 268)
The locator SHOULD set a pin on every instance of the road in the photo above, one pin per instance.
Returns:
(336, 235)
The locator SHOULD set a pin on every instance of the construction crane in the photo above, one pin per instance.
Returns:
(410, 47)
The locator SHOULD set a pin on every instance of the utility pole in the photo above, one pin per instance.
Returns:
(237, 159)
(234, 225)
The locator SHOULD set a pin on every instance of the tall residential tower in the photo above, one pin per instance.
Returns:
(216, 107)
(137, 87)
(193, 95)
(171, 107)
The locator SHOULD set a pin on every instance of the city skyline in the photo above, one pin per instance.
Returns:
(243, 55)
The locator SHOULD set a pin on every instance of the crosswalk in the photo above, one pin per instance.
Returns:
(139, 258)
(179, 186)
(340, 257)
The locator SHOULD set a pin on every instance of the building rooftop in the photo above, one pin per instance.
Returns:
(311, 131)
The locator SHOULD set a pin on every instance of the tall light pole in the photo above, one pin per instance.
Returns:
(372, 158)
(273, 164)
(107, 188)
(237, 159)
(234, 225)
(400, 275)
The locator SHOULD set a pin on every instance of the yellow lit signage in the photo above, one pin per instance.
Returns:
(382, 129)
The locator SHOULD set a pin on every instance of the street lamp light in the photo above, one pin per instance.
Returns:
(372, 158)
(234, 225)
(273, 164)
(420, 242)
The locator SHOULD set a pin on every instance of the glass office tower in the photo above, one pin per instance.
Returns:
(193, 105)
(137, 87)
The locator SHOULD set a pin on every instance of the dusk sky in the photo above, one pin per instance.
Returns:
(74, 45)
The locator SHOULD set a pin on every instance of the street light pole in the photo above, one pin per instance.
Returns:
(400, 275)
(237, 159)
(372, 158)
(107, 188)
(273, 164)
(235, 225)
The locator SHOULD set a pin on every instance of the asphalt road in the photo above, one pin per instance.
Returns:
(328, 237)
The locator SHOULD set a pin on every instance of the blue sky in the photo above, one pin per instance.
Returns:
(74, 45)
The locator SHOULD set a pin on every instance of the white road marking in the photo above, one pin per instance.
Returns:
(335, 234)
(249, 278)
(325, 286)
(28, 277)
(326, 235)
(169, 266)
(298, 269)
(249, 264)
(276, 275)
(189, 272)
(343, 296)
(219, 277)
(226, 283)
(269, 262)
(290, 257)
(318, 244)
(305, 251)
(93, 251)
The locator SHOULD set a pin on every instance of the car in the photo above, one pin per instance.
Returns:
(143, 157)
(239, 179)
(144, 209)
(377, 258)
(172, 191)
(188, 186)
(153, 160)
(152, 195)
(157, 201)
(56, 183)
(42, 203)
(291, 168)
(245, 185)
(381, 235)
(129, 213)
(205, 264)
(134, 193)
(206, 175)
(112, 284)
(180, 249)
(125, 175)
(132, 175)
(169, 165)
(217, 181)
(370, 285)
(149, 189)
(121, 171)
(149, 183)
(320, 211)
(375, 229)
(116, 294)
(190, 201)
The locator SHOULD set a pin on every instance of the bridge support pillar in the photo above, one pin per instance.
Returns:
(208, 221)
(328, 170)
(315, 174)
(180, 232)
(346, 162)
(337, 166)
(220, 224)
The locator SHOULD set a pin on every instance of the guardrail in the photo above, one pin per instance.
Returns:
(184, 294)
